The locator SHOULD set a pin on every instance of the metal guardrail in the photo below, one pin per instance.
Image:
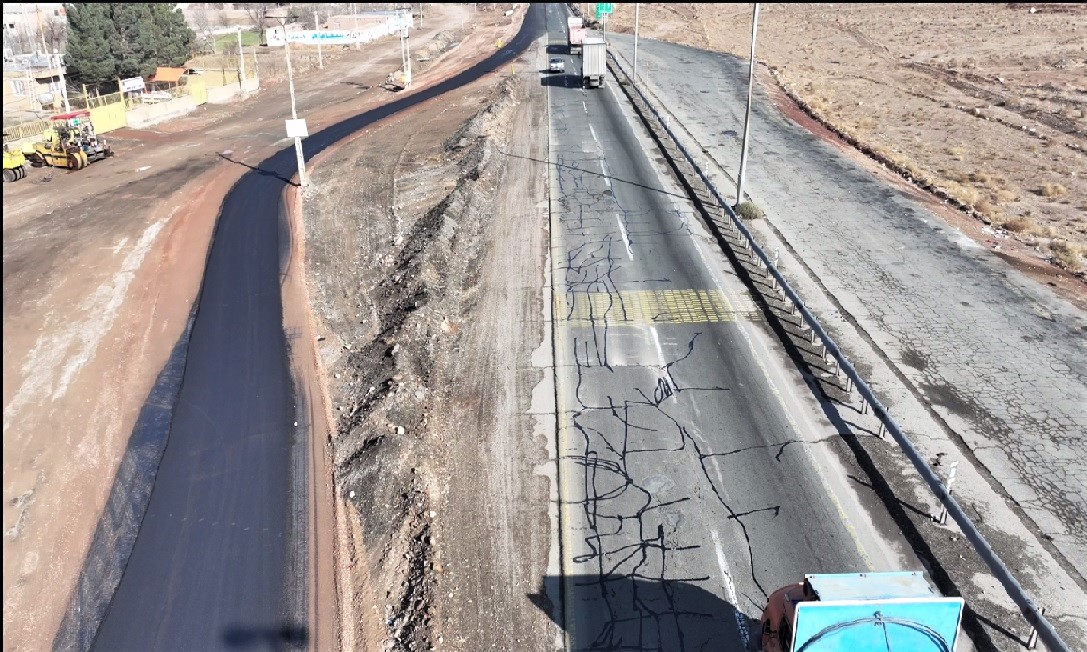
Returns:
(1034, 615)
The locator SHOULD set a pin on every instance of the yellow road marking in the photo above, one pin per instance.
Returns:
(635, 308)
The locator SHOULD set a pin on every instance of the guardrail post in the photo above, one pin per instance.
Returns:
(1032, 640)
(942, 519)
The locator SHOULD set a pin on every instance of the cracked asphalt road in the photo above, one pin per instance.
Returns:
(1000, 359)
(689, 491)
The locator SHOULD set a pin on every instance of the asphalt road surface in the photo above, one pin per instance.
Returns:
(950, 315)
(220, 559)
(690, 491)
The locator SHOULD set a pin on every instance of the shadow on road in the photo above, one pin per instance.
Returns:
(619, 612)
(559, 79)
(287, 636)
(258, 170)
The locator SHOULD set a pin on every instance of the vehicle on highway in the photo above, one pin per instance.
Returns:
(594, 52)
(575, 34)
(861, 611)
(556, 65)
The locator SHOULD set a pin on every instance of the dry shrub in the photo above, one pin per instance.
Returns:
(957, 152)
(980, 177)
(1023, 225)
(957, 176)
(986, 207)
(1067, 255)
(750, 211)
(1004, 196)
(965, 194)
(1052, 190)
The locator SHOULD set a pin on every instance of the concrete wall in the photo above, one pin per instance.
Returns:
(229, 92)
(152, 114)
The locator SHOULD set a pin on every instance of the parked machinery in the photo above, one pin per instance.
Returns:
(70, 142)
(14, 163)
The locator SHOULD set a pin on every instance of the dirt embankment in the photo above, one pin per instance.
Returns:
(982, 105)
(400, 231)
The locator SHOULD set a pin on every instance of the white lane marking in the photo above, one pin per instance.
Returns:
(626, 240)
(584, 106)
(607, 175)
(657, 344)
(593, 132)
(730, 589)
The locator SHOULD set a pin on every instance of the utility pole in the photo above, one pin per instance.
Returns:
(317, 30)
(358, 41)
(747, 116)
(406, 52)
(63, 84)
(241, 62)
(294, 115)
(637, 19)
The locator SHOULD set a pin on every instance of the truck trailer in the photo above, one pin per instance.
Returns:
(593, 62)
(575, 34)
(875, 612)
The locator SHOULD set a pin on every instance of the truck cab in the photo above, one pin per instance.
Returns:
(861, 611)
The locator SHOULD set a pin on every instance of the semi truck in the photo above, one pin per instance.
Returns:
(594, 65)
(575, 34)
(884, 612)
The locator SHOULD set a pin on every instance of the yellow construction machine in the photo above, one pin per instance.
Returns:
(14, 163)
(70, 143)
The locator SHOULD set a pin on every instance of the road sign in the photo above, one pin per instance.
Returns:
(297, 128)
(604, 8)
(132, 85)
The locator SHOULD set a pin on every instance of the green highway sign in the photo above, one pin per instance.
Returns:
(604, 8)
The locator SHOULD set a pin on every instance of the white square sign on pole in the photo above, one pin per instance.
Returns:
(132, 85)
(297, 128)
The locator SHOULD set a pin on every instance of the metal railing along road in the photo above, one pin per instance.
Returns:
(1034, 615)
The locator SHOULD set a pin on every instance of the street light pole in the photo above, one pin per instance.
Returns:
(406, 52)
(637, 19)
(358, 42)
(747, 116)
(317, 29)
(63, 84)
(241, 62)
(294, 115)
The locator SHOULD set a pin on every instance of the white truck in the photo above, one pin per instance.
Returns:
(575, 34)
(594, 65)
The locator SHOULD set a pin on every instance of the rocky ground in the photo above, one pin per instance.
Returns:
(983, 104)
(425, 255)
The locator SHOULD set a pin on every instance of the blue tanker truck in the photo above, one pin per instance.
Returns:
(851, 612)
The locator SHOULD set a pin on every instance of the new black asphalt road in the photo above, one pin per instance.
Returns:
(220, 559)
(689, 490)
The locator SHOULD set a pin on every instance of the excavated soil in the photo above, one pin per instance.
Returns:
(424, 279)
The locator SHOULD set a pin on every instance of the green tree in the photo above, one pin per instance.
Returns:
(111, 40)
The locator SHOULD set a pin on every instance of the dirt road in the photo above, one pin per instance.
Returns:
(100, 270)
